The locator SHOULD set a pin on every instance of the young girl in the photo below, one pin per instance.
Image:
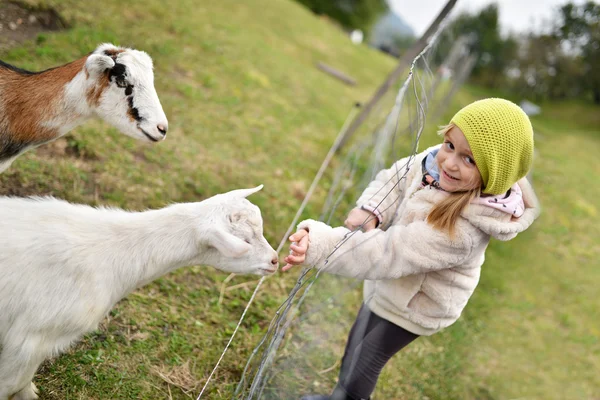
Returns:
(424, 237)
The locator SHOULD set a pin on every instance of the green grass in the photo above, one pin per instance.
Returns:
(246, 105)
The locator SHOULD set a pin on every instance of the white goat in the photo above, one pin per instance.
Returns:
(64, 266)
(114, 83)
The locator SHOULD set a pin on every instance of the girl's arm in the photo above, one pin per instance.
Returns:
(376, 255)
(384, 193)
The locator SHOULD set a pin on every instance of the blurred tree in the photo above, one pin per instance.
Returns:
(544, 69)
(580, 27)
(557, 64)
(495, 53)
(351, 14)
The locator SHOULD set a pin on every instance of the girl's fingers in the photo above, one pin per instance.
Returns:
(286, 267)
(299, 249)
(296, 237)
(291, 259)
(304, 241)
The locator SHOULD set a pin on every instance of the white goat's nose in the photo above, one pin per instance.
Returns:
(162, 128)
(275, 261)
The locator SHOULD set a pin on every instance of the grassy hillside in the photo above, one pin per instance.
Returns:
(246, 105)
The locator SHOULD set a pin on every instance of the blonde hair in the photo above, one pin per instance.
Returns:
(444, 214)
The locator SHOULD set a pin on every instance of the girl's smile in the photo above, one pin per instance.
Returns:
(446, 175)
(456, 164)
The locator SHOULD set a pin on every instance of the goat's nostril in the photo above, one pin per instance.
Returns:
(275, 261)
(162, 129)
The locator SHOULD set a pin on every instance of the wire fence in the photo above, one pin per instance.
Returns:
(295, 351)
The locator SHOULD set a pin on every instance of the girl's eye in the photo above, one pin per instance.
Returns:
(469, 160)
(450, 145)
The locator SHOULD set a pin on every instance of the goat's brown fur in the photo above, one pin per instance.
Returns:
(93, 94)
(27, 100)
(113, 52)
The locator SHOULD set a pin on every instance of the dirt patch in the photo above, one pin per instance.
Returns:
(19, 23)
(57, 148)
(65, 146)
(180, 376)
(15, 185)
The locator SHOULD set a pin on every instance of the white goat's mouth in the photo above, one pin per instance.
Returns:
(268, 271)
(152, 138)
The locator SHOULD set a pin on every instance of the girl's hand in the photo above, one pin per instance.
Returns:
(357, 217)
(298, 249)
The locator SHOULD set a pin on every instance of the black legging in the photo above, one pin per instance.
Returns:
(371, 343)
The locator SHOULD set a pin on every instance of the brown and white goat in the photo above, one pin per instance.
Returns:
(113, 83)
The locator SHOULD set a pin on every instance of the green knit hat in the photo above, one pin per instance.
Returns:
(501, 139)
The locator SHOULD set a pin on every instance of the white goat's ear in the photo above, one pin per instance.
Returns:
(236, 216)
(227, 244)
(244, 192)
(96, 64)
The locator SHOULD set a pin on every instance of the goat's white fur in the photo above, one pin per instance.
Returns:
(64, 266)
(113, 83)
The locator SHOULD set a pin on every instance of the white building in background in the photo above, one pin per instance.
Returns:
(530, 108)
(388, 30)
(357, 36)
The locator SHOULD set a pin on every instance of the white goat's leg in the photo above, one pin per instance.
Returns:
(18, 363)
(28, 393)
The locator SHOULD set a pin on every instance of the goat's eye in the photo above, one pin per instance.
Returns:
(121, 82)
(247, 241)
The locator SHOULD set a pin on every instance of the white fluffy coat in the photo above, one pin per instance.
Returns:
(416, 277)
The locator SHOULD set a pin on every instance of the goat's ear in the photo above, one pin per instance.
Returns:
(96, 64)
(228, 244)
(244, 192)
(236, 216)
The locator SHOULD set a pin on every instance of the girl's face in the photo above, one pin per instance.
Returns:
(458, 172)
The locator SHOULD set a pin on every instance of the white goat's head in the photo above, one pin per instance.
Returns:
(233, 235)
(120, 88)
